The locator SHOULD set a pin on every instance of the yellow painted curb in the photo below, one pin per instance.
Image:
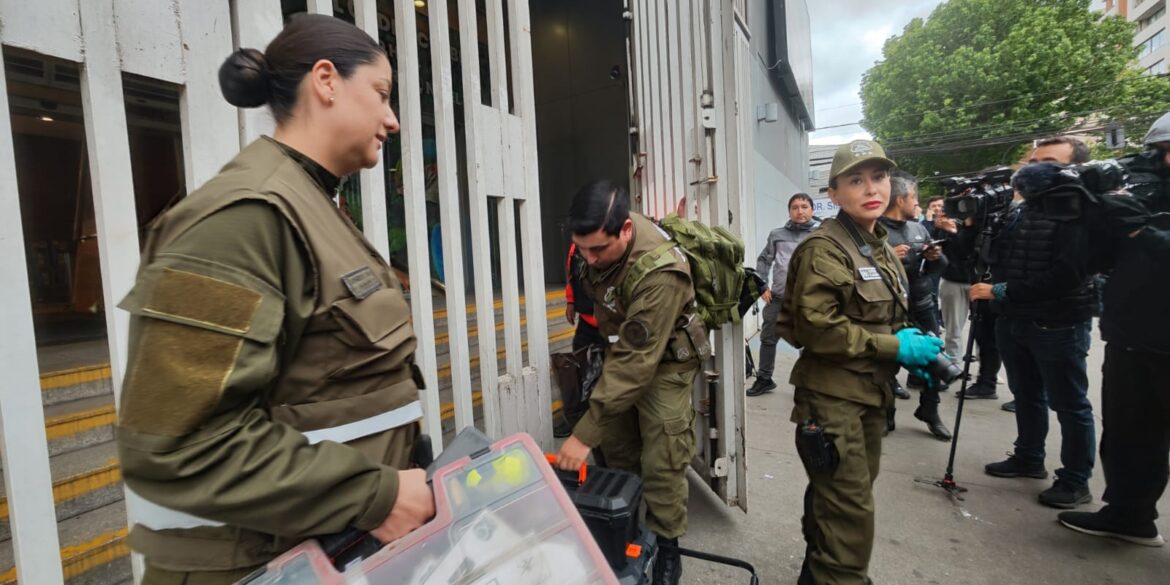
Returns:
(81, 558)
(61, 379)
(78, 485)
(71, 424)
(445, 371)
(552, 295)
(473, 332)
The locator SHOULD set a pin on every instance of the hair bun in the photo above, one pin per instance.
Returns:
(243, 79)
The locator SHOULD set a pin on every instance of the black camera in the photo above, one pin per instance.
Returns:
(1063, 192)
(978, 196)
(944, 368)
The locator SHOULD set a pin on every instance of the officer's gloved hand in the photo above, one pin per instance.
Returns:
(1119, 214)
(916, 349)
(924, 375)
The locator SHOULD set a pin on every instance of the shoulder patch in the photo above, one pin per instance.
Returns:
(635, 333)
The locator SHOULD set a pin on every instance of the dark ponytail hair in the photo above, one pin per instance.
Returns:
(249, 78)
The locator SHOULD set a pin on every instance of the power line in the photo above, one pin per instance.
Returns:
(1146, 117)
(976, 131)
(1029, 95)
(1005, 100)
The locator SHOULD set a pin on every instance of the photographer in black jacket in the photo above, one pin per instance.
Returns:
(958, 276)
(1135, 392)
(1041, 289)
(921, 259)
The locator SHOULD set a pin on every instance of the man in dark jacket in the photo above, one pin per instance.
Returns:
(957, 278)
(1135, 440)
(912, 245)
(1041, 288)
(773, 261)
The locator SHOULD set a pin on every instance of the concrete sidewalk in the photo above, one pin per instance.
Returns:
(999, 535)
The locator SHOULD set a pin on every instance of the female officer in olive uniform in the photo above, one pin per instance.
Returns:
(846, 300)
(270, 393)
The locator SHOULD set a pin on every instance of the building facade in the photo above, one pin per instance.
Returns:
(114, 114)
(1151, 35)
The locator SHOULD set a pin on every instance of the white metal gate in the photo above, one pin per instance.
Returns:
(690, 71)
(183, 42)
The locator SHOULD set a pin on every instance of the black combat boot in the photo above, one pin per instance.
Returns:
(890, 422)
(668, 565)
(900, 392)
(928, 413)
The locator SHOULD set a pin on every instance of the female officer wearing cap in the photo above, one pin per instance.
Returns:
(847, 311)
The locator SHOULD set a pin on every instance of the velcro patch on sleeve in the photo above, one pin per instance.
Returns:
(175, 377)
(188, 296)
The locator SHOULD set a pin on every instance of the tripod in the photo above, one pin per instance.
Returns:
(976, 315)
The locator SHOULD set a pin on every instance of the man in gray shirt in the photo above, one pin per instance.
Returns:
(773, 261)
(912, 244)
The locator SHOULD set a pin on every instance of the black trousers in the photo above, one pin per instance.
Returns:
(925, 316)
(1135, 440)
(989, 360)
(586, 335)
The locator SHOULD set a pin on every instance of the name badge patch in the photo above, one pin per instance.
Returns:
(869, 273)
(361, 282)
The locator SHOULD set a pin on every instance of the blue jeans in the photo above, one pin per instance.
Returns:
(1046, 369)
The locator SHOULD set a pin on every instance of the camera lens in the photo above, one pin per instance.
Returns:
(945, 369)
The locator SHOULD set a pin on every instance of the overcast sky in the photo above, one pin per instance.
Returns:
(847, 39)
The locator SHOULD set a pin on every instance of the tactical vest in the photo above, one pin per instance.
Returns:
(690, 336)
(873, 306)
(350, 375)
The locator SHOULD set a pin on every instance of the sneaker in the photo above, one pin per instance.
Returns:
(1013, 467)
(1009, 406)
(1104, 523)
(979, 391)
(1065, 495)
(761, 386)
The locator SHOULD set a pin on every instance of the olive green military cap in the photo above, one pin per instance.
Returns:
(855, 153)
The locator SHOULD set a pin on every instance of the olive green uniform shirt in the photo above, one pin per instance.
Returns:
(842, 313)
(630, 364)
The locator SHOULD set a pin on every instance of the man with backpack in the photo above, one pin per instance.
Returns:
(640, 412)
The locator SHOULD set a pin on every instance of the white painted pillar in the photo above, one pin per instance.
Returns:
(373, 180)
(536, 375)
(444, 98)
(27, 482)
(210, 125)
(254, 24)
(483, 148)
(108, 144)
(418, 246)
(320, 7)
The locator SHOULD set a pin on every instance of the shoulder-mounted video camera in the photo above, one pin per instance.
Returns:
(977, 196)
(1063, 192)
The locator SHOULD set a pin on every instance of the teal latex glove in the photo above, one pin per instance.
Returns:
(925, 376)
(915, 349)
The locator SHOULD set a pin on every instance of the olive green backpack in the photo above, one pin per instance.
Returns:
(716, 261)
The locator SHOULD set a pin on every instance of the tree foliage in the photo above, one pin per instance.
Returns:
(971, 85)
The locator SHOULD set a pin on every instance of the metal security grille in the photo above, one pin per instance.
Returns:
(183, 42)
(690, 69)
